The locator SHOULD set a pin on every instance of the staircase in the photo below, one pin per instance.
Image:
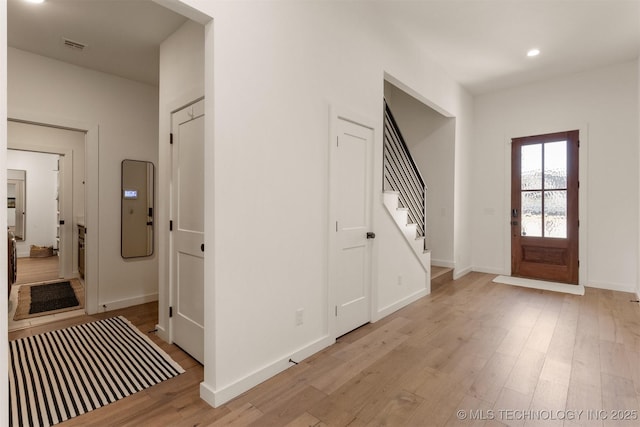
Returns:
(405, 192)
(400, 215)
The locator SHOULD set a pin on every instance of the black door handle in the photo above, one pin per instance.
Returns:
(371, 235)
(202, 247)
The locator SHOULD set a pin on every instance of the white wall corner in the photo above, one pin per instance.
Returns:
(442, 263)
(208, 394)
(391, 308)
(219, 397)
(458, 273)
(162, 333)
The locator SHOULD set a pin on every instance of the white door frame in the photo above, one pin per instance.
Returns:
(335, 115)
(583, 162)
(91, 207)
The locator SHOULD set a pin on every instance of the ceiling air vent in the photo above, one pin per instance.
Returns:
(77, 46)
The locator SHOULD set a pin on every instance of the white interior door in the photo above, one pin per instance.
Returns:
(187, 235)
(351, 190)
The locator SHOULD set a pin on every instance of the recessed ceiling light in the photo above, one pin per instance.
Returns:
(533, 52)
(35, 1)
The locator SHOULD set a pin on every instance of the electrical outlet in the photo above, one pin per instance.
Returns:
(299, 316)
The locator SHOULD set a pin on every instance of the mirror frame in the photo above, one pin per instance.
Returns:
(12, 177)
(127, 203)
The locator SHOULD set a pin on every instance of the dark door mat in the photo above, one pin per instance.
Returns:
(52, 296)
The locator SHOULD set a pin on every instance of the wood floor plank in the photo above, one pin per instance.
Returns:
(240, 417)
(472, 345)
(619, 399)
(613, 359)
(492, 378)
(515, 340)
(542, 331)
(33, 270)
(526, 372)
(510, 406)
(476, 413)
(306, 420)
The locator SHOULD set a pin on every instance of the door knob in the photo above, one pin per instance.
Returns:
(371, 235)
(202, 247)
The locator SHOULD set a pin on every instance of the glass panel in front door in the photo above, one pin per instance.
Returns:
(544, 168)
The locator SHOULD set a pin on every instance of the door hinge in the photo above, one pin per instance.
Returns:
(171, 138)
(170, 225)
(336, 226)
(336, 311)
(337, 141)
(170, 311)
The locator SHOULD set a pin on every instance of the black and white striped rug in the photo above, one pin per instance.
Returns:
(61, 374)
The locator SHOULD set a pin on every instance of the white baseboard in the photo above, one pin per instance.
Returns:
(490, 270)
(385, 311)
(459, 273)
(612, 287)
(442, 263)
(124, 303)
(219, 397)
(162, 333)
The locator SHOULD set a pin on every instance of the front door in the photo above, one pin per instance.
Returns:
(351, 190)
(187, 235)
(544, 207)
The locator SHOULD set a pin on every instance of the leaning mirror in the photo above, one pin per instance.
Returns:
(137, 209)
(16, 201)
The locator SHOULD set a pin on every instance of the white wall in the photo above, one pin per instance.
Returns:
(124, 114)
(638, 278)
(463, 187)
(181, 82)
(273, 71)
(41, 190)
(603, 104)
(430, 137)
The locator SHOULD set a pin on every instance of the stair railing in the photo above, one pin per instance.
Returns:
(401, 174)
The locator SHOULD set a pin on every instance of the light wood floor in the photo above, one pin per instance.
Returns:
(32, 270)
(35, 270)
(470, 346)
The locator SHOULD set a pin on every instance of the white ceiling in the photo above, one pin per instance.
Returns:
(122, 36)
(480, 43)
